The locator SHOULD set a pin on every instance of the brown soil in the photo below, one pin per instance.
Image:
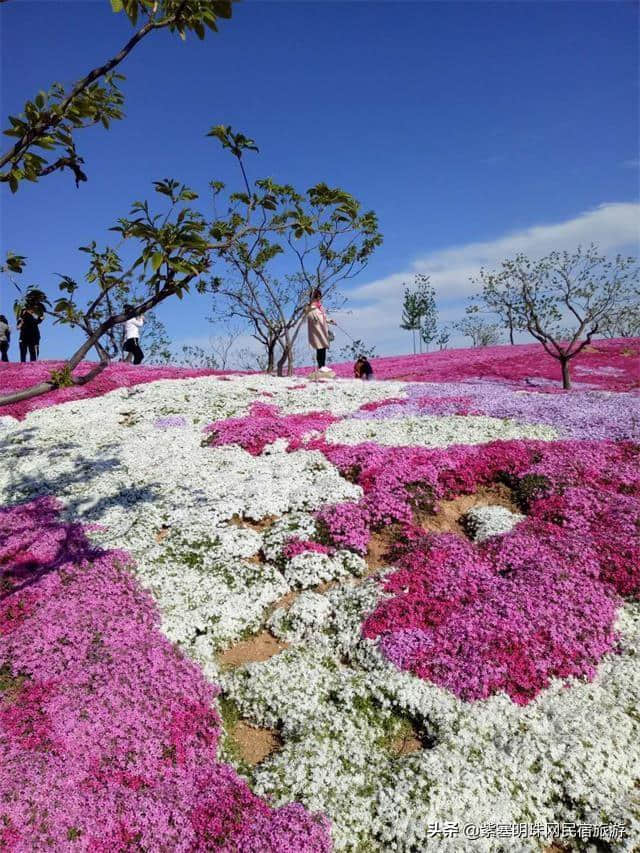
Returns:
(590, 348)
(285, 601)
(447, 519)
(254, 744)
(10, 685)
(258, 648)
(162, 534)
(260, 525)
(257, 558)
(405, 745)
(629, 352)
(380, 544)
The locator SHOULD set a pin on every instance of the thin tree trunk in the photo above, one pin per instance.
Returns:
(283, 360)
(47, 386)
(566, 376)
(271, 356)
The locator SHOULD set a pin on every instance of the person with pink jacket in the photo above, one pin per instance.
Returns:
(318, 329)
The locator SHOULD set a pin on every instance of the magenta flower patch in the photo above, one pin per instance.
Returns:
(508, 615)
(264, 424)
(108, 735)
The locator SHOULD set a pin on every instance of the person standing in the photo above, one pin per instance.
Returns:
(318, 329)
(5, 337)
(29, 326)
(132, 337)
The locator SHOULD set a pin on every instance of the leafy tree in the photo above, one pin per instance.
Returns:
(623, 322)
(48, 124)
(419, 311)
(352, 351)
(429, 317)
(193, 355)
(481, 331)
(411, 314)
(175, 250)
(327, 240)
(564, 299)
(442, 337)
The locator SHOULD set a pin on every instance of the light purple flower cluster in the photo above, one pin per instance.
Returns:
(611, 415)
(170, 422)
(108, 736)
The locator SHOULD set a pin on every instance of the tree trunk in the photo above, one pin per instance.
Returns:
(510, 324)
(566, 377)
(47, 386)
(283, 360)
(271, 356)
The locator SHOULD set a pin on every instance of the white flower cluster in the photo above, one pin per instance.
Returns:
(435, 430)
(481, 522)
(184, 511)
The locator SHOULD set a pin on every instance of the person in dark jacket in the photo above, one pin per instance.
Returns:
(29, 326)
(362, 368)
(5, 337)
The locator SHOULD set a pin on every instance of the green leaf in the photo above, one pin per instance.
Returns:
(116, 5)
(156, 260)
(40, 99)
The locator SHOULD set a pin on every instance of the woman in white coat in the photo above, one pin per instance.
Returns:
(318, 329)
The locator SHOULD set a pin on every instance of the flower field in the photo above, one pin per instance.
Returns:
(243, 613)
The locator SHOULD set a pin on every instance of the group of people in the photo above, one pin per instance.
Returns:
(318, 330)
(320, 336)
(28, 326)
(29, 335)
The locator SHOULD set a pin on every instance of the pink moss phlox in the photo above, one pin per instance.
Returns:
(108, 736)
(295, 546)
(345, 525)
(264, 424)
(524, 366)
(523, 608)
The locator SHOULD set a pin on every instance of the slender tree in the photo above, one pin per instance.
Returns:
(482, 332)
(411, 314)
(328, 240)
(49, 123)
(563, 300)
(175, 250)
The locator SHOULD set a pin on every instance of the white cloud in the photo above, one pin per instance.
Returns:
(632, 164)
(377, 305)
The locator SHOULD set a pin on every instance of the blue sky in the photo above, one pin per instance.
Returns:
(472, 129)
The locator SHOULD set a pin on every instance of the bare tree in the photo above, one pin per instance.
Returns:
(564, 299)
(482, 332)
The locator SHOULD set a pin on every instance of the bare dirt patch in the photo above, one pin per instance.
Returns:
(379, 549)
(253, 743)
(449, 515)
(162, 534)
(10, 685)
(405, 745)
(590, 348)
(260, 525)
(285, 601)
(629, 352)
(258, 648)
